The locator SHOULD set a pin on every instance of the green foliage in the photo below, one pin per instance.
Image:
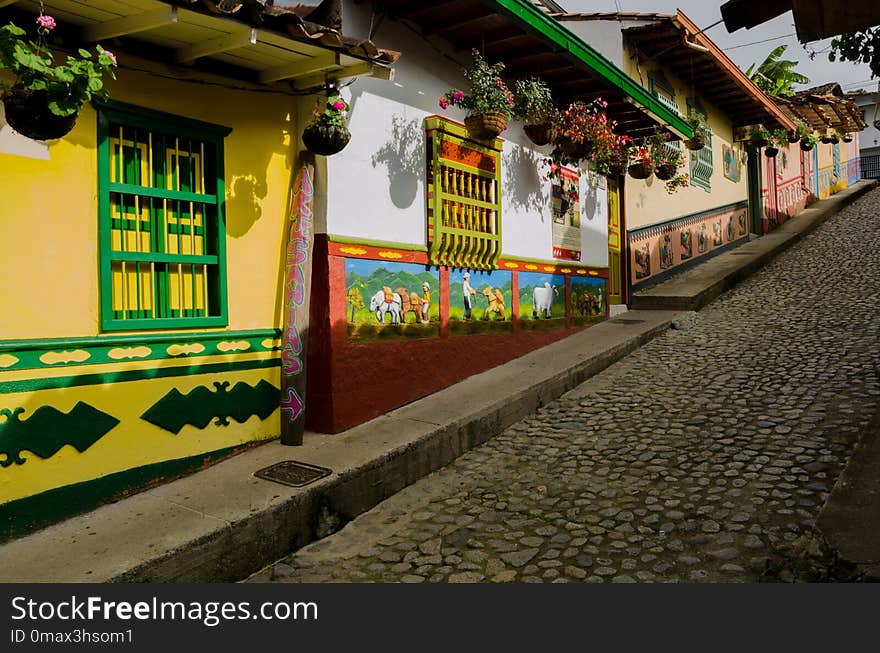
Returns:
(334, 112)
(533, 101)
(802, 129)
(858, 47)
(775, 75)
(697, 120)
(488, 92)
(779, 138)
(68, 85)
(758, 132)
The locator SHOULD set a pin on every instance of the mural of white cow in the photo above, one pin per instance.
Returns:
(542, 299)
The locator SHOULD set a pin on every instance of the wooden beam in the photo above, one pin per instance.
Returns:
(297, 69)
(6, 3)
(365, 69)
(226, 43)
(131, 24)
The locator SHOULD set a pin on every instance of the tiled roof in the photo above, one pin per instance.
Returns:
(615, 15)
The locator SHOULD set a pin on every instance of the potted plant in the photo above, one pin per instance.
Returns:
(489, 102)
(666, 158)
(758, 136)
(533, 103)
(327, 133)
(44, 100)
(808, 142)
(826, 138)
(847, 138)
(778, 139)
(835, 137)
(641, 166)
(697, 121)
(580, 129)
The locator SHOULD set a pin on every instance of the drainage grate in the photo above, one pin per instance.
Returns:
(623, 320)
(293, 473)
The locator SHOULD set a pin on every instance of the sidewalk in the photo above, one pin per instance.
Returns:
(222, 524)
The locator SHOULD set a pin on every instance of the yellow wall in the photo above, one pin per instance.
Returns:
(49, 283)
(647, 202)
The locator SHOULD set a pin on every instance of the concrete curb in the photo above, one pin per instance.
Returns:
(222, 524)
(700, 285)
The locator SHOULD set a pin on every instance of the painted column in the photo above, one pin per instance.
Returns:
(297, 288)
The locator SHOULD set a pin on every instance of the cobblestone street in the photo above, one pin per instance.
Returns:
(704, 456)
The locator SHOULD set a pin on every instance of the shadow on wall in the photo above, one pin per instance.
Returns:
(403, 158)
(522, 180)
(591, 198)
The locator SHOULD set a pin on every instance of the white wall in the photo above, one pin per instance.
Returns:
(376, 185)
(602, 36)
(869, 138)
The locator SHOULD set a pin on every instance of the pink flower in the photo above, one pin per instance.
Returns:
(444, 103)
(339, 105)
(111, 56)
(509, 100)
(46, 22)
(458, 96)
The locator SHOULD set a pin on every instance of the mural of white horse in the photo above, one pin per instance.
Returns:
(542, 299)
(381, 307)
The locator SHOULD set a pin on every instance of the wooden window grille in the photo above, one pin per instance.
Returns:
(464, 198)
(701, 161)
(835, 158)
(162, 228)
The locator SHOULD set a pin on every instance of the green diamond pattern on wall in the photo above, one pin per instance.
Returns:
(201, 405)
(46, 431)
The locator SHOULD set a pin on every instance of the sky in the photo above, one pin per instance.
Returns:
(705, 12)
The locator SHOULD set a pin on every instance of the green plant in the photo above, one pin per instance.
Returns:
(776, 75)
(802, 130)
(859, 47)
(662, 153)
(759, 133)
(533, 102)
(334, 112)
(488, 92)
(809, 141)
(584, 131)
(67, 86)
(679, 181)
(778, 138)
(697, 120)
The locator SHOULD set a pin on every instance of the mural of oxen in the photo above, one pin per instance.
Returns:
(384, 302)
(542, 299)
(589, 304)
(410, 303)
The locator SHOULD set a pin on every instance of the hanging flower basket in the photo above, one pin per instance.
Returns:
(326, 140)
(758, 142)
(665, 171)
(847, 139)
(698, 142)
(640, 170)
(826, 140)
(771, 152)
(486, 126)
(575, 151)
(28, 113)
(793, 138)
(539, 134)
(806, 146)
(835, 139)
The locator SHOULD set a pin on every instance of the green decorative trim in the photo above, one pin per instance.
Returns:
(23, 516)
(550, 30)
(384, 244)
(46, 431)
(33, 385)
(215, 312)
(74, 352)
(458, 129)
(199, 406)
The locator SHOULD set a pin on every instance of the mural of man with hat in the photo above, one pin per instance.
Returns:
(468, 293)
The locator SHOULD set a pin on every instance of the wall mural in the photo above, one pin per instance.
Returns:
(565, 206)
(732, 163)
(387, 300)
(587, 301)
(480, 302)
(541, 300)
(661, 248)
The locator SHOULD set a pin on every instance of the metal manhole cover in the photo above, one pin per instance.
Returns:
(293, 473)
(621, 320)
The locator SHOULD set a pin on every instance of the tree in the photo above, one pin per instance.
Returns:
(776, 75)
(859, 47)
(355, 300)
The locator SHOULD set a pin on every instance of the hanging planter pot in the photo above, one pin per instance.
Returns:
(826, 140)
(485, 126)
(28, 113)
(575, 151)
(793, 138)
(539, 134)
(806, 146)
(326, 140)
(640, 170)
(665, 171)
(771, 152)
(835, 139)
(847, 139)
(698, 142)
(758, 142)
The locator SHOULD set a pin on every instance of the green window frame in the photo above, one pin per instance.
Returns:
(660, 88)
(162, 226)
(701, 166)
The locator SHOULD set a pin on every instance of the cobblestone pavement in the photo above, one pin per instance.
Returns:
(704, 456)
